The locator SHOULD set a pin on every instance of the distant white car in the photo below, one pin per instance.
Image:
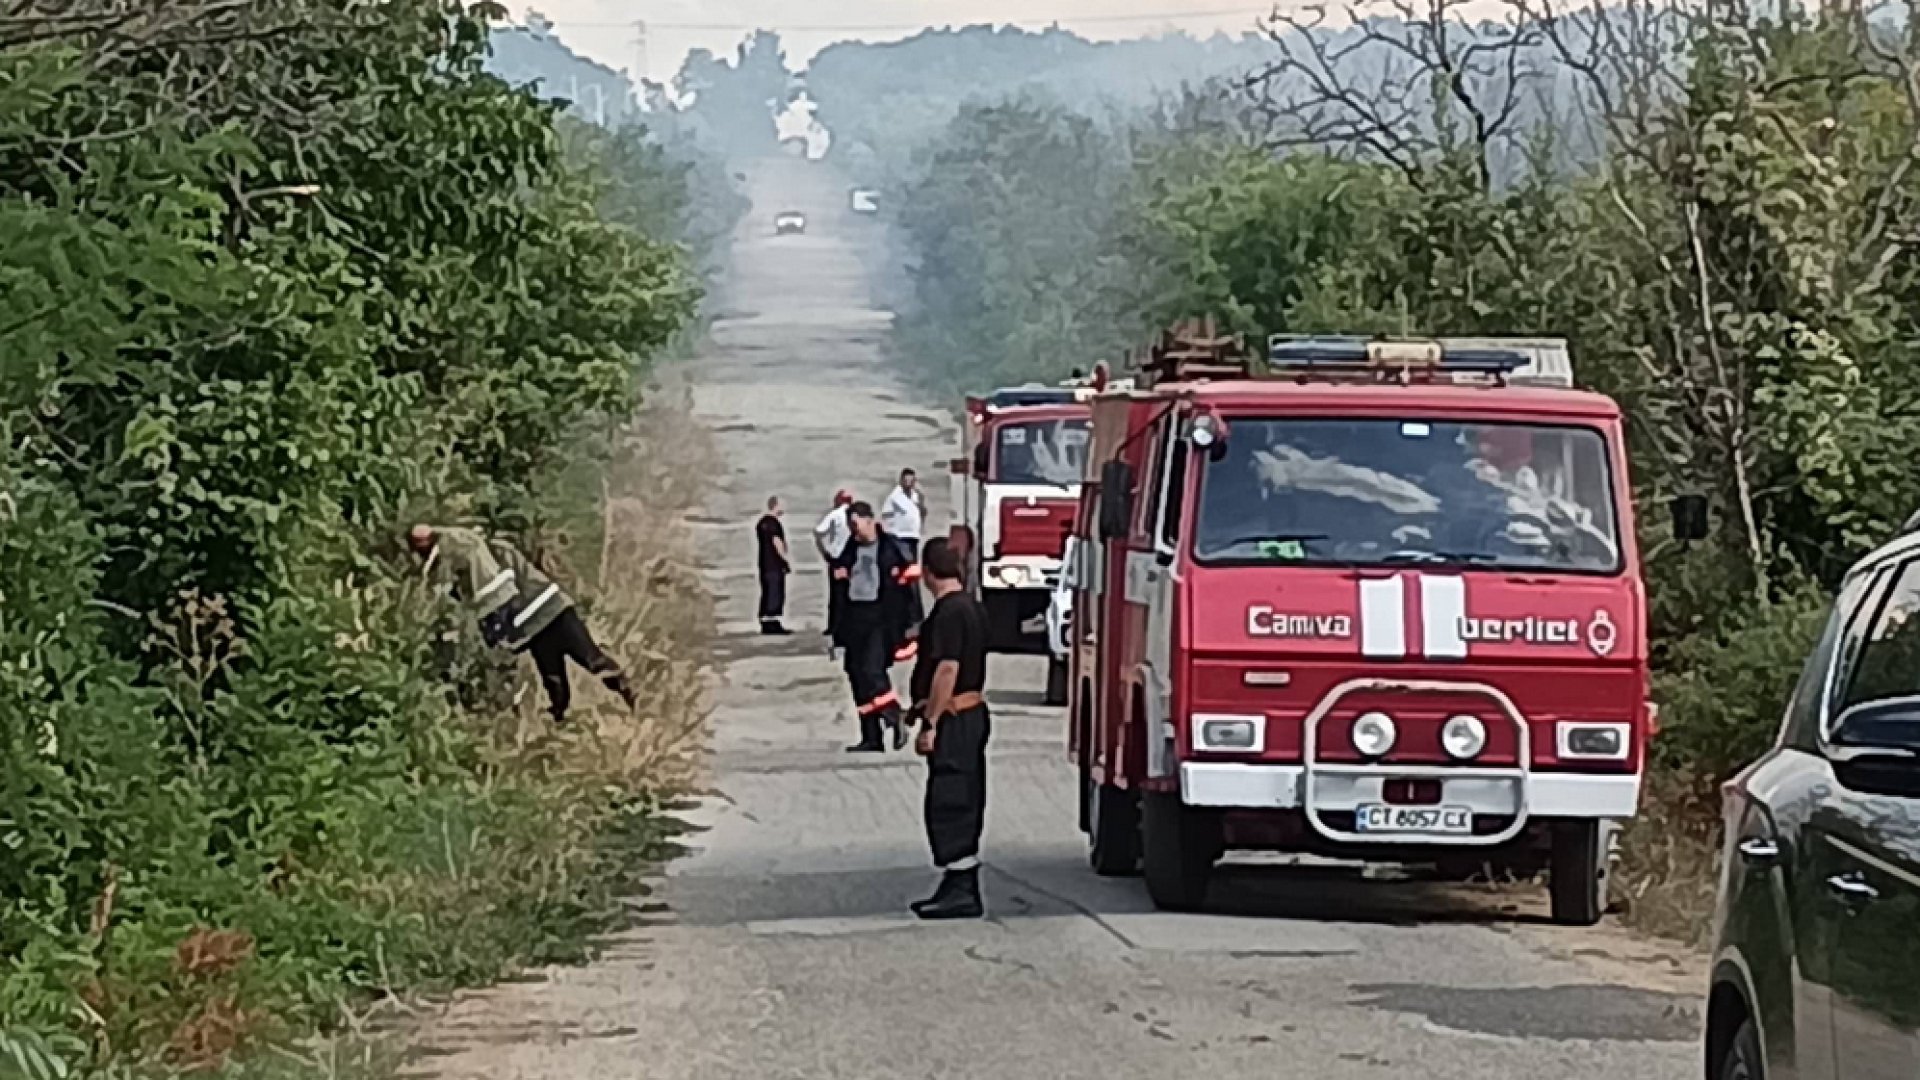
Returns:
(865, 201)
(1060, 608)
(790, 223)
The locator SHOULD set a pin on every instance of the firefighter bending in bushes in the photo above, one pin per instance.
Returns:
(519, 608)
(874, 620)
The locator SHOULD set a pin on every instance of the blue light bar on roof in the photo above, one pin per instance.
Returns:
(1350, 353)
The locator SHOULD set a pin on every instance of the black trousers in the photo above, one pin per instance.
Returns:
(773, 595)
(956, 807)
(567, 638)
(868, 664)
(910, 546)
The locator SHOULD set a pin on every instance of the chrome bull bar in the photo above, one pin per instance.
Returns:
(1520, 776)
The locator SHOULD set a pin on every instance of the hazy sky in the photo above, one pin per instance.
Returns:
(606, 31)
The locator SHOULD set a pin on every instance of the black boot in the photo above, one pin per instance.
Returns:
(898, 726)
(872, 740)
(958, 897)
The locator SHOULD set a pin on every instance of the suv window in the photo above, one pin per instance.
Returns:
(1804, 712)
(1889, 652)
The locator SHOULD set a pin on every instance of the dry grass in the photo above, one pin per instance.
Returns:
(1668, 871)
(650, 609)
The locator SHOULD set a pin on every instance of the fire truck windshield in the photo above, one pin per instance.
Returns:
(1387, 492)
(1052, 452)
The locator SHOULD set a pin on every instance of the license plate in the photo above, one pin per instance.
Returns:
(1377, 818)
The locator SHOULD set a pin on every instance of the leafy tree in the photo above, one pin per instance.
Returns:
(735, 102)
(273, 278)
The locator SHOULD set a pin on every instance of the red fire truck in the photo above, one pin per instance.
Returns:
(1379, 601)
(1016, 490)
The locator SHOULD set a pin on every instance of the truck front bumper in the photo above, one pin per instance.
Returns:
(1227, 785)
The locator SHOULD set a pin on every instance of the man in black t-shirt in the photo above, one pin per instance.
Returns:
(771, 538)
(949, 679)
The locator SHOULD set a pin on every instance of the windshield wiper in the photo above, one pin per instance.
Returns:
(1442, 558)
(1271, 538)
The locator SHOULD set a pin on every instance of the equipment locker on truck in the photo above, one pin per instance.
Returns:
(1380, 601)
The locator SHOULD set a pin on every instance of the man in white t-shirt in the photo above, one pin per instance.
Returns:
(904, 513)
(831, 535)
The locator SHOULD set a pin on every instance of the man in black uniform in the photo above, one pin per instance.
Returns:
(775, 563)
(948, 681)
(875, 617)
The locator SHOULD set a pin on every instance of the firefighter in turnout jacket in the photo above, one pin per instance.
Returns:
(519, 608)
(875, 616)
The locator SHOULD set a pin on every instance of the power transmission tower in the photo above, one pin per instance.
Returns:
(642, 69)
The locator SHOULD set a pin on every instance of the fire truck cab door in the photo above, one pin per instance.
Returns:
(1151, 579)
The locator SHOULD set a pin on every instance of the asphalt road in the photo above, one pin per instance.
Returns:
(780, 947)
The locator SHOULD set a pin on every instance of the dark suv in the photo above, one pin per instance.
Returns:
(1816, 971)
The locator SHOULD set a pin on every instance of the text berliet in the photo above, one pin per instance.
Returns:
(1532, 629)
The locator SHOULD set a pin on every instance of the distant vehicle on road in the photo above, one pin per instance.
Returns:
(1016, 488)
(865, 201)
(1380, 602)
(790, 223)
(1817, 955)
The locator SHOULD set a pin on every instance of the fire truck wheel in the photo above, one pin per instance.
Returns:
(1577, 876)
(1056, 681)
(1113, 830)
(1178, 847)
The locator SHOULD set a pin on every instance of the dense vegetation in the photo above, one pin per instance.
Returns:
(883, 102)
(277, 279)
(1733, 261)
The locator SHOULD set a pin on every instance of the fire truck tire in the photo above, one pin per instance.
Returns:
(1113, 830)
(1577, 873)
(1178, 847)
(1056, 681)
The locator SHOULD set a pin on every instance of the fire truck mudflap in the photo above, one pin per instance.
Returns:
(1373, 611)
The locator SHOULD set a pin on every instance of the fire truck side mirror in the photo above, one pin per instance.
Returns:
(1692, 520)
(980, 461)
(1116, 500)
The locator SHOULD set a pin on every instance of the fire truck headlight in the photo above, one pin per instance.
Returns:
(1229, 733)
(1374, 734)
(1463, 737)
(1594, 742)
(1014, 576)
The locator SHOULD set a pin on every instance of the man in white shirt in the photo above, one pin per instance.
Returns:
(831, 535)
(904, 512)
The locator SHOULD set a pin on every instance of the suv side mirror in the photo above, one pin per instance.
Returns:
(980, 461)
(1116, 500)
(1692, 520)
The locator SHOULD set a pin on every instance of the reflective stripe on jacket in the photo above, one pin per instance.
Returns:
(492, 577)
(541, 600)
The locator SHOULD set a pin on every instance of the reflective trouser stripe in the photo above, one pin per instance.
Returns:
(881, 702)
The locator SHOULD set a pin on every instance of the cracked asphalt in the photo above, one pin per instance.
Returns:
(780, 946)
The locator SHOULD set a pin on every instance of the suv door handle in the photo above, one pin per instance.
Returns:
(1852, 888)
(1759, 849)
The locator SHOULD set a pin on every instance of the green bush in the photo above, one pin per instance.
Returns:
(1723, 696)
(273, 280)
